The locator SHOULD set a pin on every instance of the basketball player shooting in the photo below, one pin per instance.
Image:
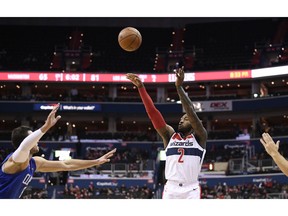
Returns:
(17, 169)
(185, 149)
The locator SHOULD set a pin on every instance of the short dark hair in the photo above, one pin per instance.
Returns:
(18, 135)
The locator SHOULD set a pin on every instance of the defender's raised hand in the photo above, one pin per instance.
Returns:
(269, 145)
(272, 149)
(51, 119)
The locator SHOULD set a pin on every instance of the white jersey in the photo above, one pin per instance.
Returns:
(184, 158)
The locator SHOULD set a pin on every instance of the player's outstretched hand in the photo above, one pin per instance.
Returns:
(106, 158)
(52, 119)
(179, 76)
(135, 80)
(269, 145)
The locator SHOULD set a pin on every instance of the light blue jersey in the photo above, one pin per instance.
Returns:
(13, 185)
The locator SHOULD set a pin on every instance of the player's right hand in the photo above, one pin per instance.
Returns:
(135, 79)
(51, 119)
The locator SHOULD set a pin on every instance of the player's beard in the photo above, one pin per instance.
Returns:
(185, 130)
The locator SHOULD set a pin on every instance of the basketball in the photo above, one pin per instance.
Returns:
(129, 39)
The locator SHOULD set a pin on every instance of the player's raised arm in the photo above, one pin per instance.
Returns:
(164, 130)
(200, 131)
(23, 151)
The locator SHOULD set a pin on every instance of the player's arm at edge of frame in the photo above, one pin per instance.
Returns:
(273, 150)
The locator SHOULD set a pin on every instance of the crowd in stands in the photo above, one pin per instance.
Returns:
(92, 192)
(124, 155)
(245, 191)
(264, 190)
(35, 193)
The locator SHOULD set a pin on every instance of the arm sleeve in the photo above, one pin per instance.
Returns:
(22, 152)
(153, 113)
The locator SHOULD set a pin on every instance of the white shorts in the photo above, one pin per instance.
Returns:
(177, 190)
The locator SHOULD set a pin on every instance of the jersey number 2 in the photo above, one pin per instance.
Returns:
(181, 151)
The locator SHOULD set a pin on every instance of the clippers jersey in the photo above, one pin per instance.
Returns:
(184, 158)
(13, 185)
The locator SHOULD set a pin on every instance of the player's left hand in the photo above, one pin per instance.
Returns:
(179, 76)
(106, 158)
(269, 145)
(51, 120)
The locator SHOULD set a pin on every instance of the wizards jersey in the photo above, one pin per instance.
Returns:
(13, 185)
(184, 158)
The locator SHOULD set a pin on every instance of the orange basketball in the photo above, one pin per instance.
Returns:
(129, 39)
